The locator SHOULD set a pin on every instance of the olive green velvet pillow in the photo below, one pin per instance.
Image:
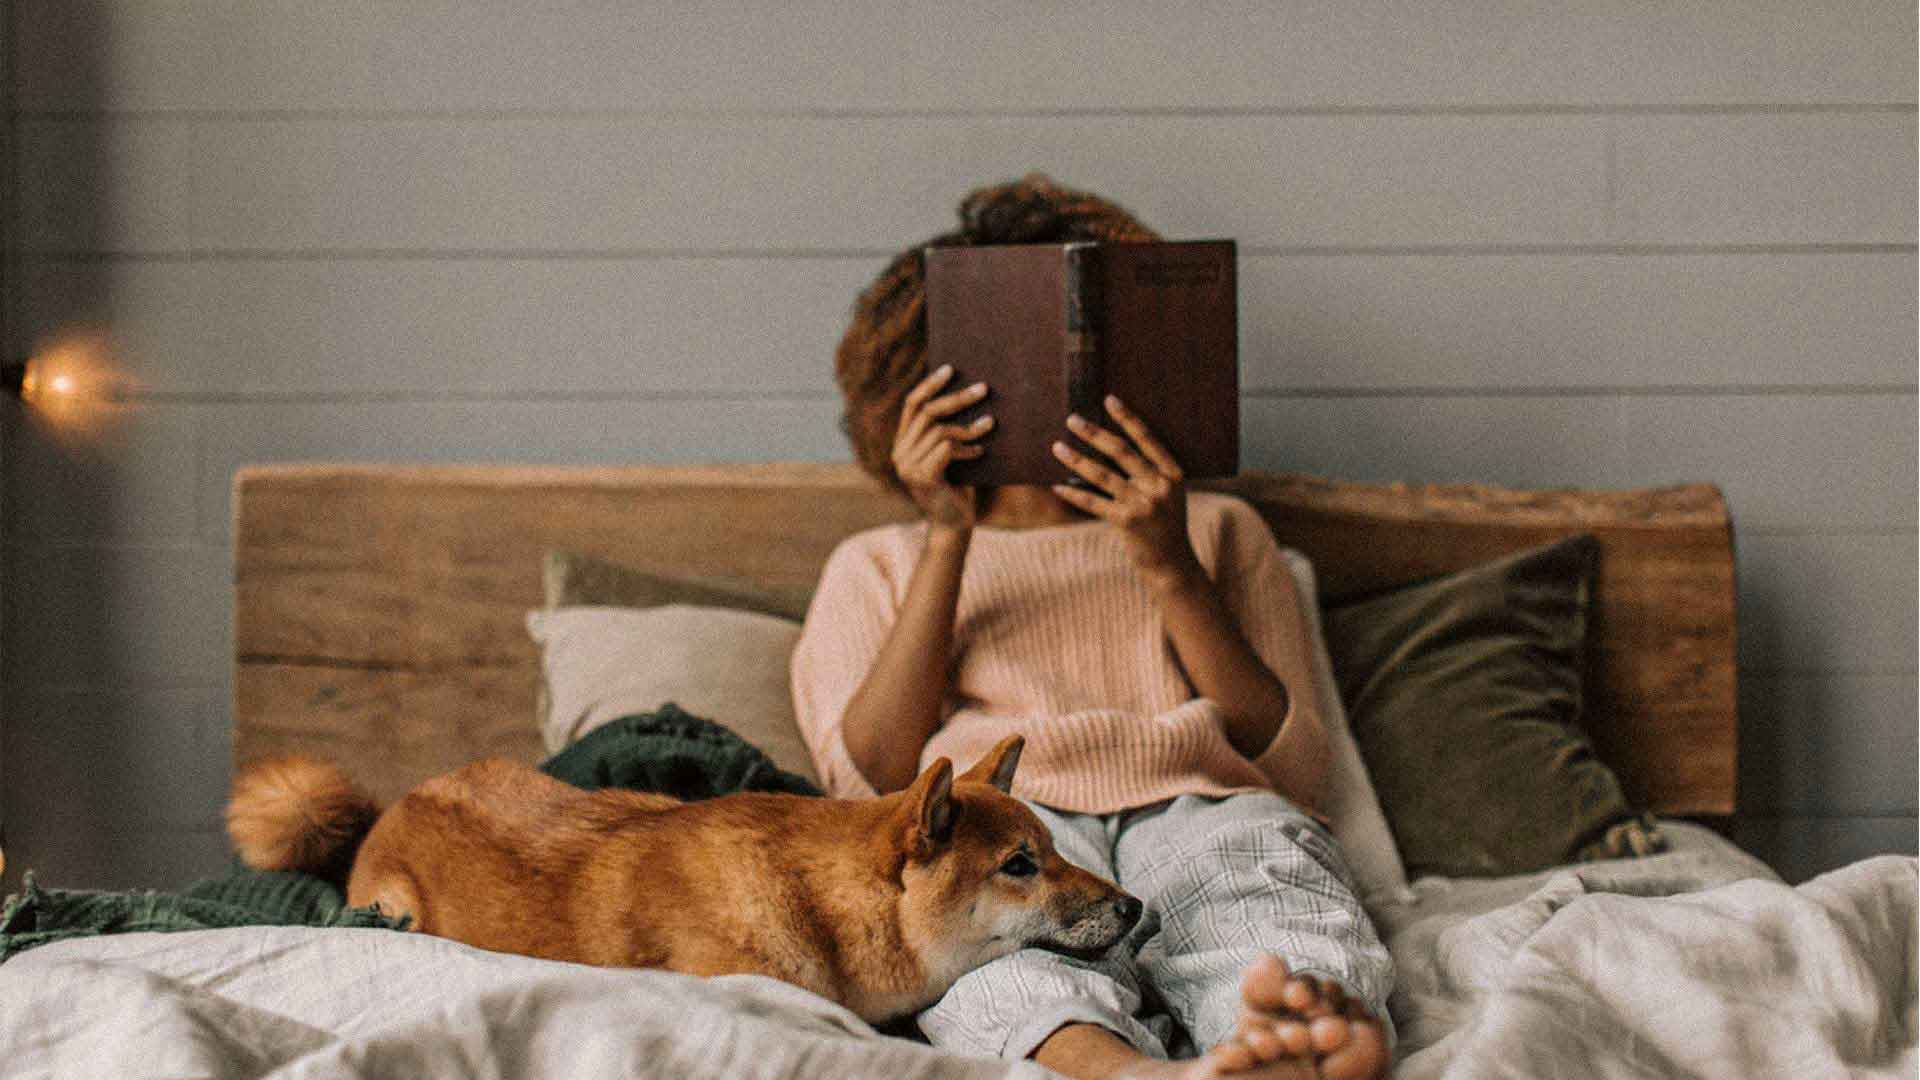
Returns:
(1465, 695)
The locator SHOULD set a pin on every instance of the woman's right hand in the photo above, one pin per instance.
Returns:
(923, 446)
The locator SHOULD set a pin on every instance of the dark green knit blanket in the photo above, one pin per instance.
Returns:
(667, 751)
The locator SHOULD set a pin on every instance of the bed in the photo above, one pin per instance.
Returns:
(380, 620)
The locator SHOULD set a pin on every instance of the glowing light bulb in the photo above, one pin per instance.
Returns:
(61, 384)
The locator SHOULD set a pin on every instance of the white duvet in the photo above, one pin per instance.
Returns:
(1699, 963)
(1695, 963)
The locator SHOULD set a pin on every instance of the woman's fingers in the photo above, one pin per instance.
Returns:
(1109, 444)
(1149, 445)
(948, 404)
(1085, 500)
(1090, 470)
(946, 450)
(913, 414)
(925, 458)
(973, 429)
(911, 447)
(925, 388)
(938, 434)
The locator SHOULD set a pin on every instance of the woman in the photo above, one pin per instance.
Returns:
(1148, 643)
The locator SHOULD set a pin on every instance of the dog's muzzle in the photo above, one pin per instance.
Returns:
(1099, 928)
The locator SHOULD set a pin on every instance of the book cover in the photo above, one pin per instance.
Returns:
(1054, 328)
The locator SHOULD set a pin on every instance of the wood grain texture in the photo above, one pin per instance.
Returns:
(380, 609)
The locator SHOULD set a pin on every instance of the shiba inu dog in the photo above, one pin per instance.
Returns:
(878, 904)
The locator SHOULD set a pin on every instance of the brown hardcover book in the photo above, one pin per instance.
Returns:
(1054, 328)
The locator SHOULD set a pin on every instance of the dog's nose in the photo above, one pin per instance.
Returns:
(1129, 909)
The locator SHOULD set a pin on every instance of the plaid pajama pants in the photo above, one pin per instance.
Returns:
(1224, 880)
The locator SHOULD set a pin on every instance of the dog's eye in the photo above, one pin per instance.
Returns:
(1021, 865)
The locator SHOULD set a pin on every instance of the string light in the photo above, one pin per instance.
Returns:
(74, 365)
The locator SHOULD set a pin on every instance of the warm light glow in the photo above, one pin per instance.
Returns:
(69, 371)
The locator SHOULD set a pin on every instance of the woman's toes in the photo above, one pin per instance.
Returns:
(1334, 997)
(1232, 1056)
(1364, 1056)
(1329, 1033)
(1294, 1037)
(1263, 986)
(1264, 1042)
(1301, 994)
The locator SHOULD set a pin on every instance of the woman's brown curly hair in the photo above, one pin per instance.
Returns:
(882, 354)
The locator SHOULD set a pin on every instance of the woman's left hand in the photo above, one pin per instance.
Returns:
(1145, 496)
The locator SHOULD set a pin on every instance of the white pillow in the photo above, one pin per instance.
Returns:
(1351, 805)
(728, 666)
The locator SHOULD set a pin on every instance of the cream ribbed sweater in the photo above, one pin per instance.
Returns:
(1056, 638)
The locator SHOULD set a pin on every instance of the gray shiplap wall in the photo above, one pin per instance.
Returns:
(1481, 242)
(6, 279)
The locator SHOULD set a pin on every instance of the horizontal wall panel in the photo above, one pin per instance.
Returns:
(458, 327)
(152, 313)
(701, 183)
(1828, 602)
(768, 324)
(599, 183)
(591, 433)
(98, 763)
(1828, 745)
(1803, 848)
(1810, 178)
(1514, 442)
(101, 471)
(283, 54)
(1465, 321)
(1784, 462)
(120, 616)
(1839, 461)
(128, 858)
(84, 186)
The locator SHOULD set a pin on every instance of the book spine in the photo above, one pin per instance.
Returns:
(1086, 378)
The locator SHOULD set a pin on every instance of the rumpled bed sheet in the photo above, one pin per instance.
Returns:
(1695, 963)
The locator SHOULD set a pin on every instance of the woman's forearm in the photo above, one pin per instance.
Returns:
(897, 707)
(1255, 702)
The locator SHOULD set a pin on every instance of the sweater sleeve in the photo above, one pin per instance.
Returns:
(847, 623)
(1257, 585)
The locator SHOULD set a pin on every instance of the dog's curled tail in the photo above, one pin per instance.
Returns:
(298, 813)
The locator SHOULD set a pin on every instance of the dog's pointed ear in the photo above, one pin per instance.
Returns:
(997, 766)
(930, 800)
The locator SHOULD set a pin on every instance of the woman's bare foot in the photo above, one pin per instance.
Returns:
(1289, 1021)
(1291, 1028)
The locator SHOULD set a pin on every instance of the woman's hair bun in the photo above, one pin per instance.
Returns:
(1035, 210)
(1026, 211)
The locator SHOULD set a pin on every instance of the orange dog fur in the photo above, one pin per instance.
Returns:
(878, 904)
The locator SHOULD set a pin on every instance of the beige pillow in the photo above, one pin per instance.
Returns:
(574, 579)
(1359, 824)
(602, 663)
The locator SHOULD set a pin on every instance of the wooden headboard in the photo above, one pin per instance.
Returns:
(380, 610)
